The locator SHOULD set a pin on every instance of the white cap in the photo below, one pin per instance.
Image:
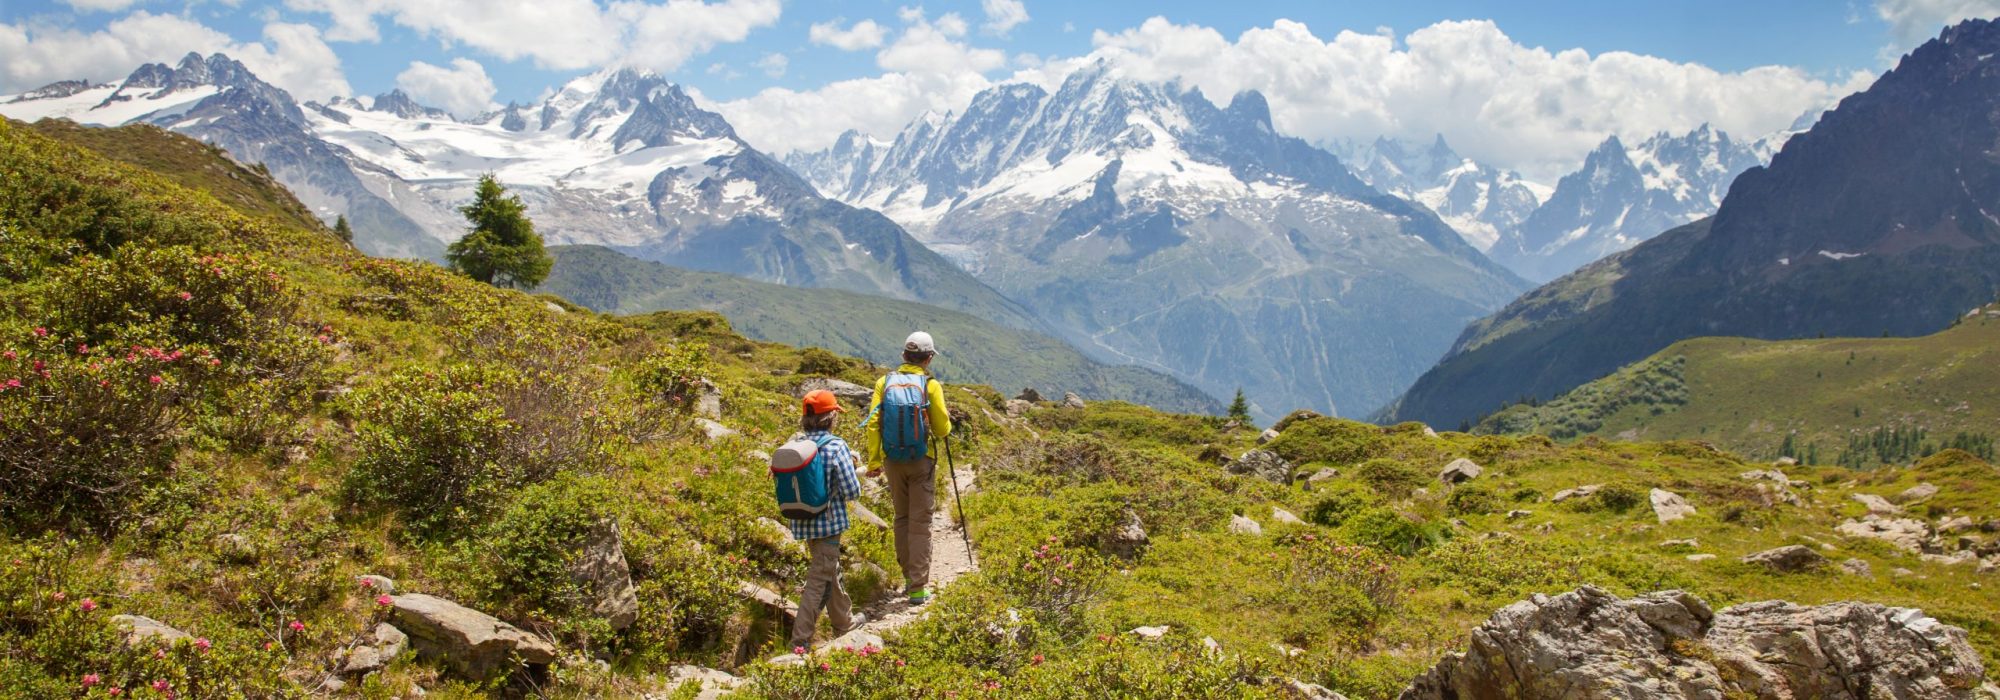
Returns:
(920, 342)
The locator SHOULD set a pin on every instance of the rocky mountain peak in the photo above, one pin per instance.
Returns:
(400, 104)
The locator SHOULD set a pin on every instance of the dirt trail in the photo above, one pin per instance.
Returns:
(949, 560)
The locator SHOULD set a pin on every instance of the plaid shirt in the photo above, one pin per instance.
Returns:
(841, 486)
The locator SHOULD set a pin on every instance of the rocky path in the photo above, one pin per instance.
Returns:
(949, 560)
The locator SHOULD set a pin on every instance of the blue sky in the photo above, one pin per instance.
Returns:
(793, 74)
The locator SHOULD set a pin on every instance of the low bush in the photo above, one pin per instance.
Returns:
(1340, 501)
(1332, 440)
(1390, 531)
(1391, 478)
(822, 362)
(1471, 500)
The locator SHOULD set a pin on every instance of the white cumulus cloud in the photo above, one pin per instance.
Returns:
(1002, 16)
(773, 64)
(559, 34)
(463, 89)
(1911, 22)
(101, 5)
(865, 34)
(291, 56)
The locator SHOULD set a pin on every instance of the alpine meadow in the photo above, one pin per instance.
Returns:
(702, 349)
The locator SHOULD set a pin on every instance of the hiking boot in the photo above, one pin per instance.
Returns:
(854, 622)
(920, 596)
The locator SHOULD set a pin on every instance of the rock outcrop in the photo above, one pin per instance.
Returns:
(1460, 470)
(474, 644)
(601, 570)
(140, 630)
(1787, 559)
(383, 645)
(1129, 540)
(1071, 400)
(1245, 526)
(843, 390)
(1591, 645)
(1906, 534)
(1580, 492)
(1263, 464)
(1669, 506)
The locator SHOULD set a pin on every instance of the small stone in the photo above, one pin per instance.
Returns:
(1857, 567)
(1029, 395)
(1952, 526)
(1321, 476)
(1017, 408)
(1700, 557)
(1519, 514)
(713, 430)
(1584, 491)
(475, 644)
(235, 547)
(1459, 471)
(1071, 400)
(1787, 559)
(1680, 544)
(1285, 516)
(379, 585)
(1900, 572)
(1153, 633)
(1245, 526)
(1669, 506)
(1211, 647)
(1787, 462)
(1263, 464)
(1130, 540)
(1267, 436)
(140, 629)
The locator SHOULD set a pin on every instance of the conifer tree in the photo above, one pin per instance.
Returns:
(502, 249)
(1240, 408)
(341, 229)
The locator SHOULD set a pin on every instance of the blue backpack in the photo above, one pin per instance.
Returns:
(905, 413)
(798, 468)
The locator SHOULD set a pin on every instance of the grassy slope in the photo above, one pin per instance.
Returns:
(1365, 620)
(859, 325)
(191, 164)
(1746, 395)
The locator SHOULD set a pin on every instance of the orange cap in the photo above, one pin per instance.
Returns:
(820, 401)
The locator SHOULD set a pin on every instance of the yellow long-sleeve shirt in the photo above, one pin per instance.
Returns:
(940, 418)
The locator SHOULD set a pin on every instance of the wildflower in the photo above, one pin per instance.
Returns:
(1037, 660)
(269, 645)
(61, 596)
(366, 582)
(115, 691)
(799, 650)
(824, 666)
(155, 379)
(1057, 580)
(384, 600)
(185, 296)
(297, 626)
(162, 685)
(87, 605)
(202, 644)
(82, 348)
(899, 663)
(14, 383)
(41, 332)
(89, 679)
(159, 653)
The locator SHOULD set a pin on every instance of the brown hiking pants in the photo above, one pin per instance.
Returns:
(822, 590)
(913, 489)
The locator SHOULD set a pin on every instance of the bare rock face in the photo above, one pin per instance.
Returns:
(1018, 407)
(1591, 645)
(1669, 506)
(475, 644)
(1263, 464)
(1877, 505)
(1906, 534)
(384, 645)
(601, 569)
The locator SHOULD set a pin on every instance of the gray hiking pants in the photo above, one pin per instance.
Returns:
(913, 490)
(822, 590)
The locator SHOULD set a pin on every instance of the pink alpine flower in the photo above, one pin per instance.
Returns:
(297, 626)
(82, 348)
(162, 685)
(115, 691)
(384, 600)
(799, 650)
(155, 379)
(202, 644)
(60, 596)
(41, 332)
(89, 679)
(185, 296)
(87, 605)
(9, 355)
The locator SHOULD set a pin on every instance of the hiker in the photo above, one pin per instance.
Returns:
(908, 411)
(815, 478)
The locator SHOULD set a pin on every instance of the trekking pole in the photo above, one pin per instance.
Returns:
(964, 525)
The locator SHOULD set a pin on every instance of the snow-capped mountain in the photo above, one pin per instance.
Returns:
(1477, 200)
(619, 158)
(1148, 224)
(1622, 196)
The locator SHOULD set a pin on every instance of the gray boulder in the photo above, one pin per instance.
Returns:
(1285, 516)
(1129, 540)
(140, 630)
(1789, 559)
(1918, 493)
(1263, 464)
(1591, 645)
(1029, 395)
(378, 585)
(602, 572)
(1580, 492)
(1071, 400)
(472, 643)
(1460, 470)
(1905, 533)
(1267, 436)
(844, 390)
(384, 644)
(1877, 505)
(1017, 407)
(1322, 476)
(1669, 506)
(1245, 526)
(709, 403)
(713, 430)
(1857, 567)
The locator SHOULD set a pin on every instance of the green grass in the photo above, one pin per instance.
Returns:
(975, 350)
(1747, 395)
(191, 164)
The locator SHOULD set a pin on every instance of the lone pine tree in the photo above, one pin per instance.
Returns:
(502, 249)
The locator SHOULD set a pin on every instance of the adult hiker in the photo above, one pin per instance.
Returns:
(814, 474)
(908, 412)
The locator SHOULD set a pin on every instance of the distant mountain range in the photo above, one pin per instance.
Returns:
(1478, 201)
(618, 158)
(1879, 220)
(976, 349)
(1149, 225)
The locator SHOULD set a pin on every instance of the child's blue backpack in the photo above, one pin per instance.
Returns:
(798, 468)
(905, 416)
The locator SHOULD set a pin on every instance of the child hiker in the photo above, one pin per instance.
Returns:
(815, 478)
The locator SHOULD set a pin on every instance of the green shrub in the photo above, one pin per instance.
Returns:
(1390, 531)
(1617, 498)
(1340, 501)
(1471, 500)
(1391, 478)
(821, 362)
(1320, 439)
